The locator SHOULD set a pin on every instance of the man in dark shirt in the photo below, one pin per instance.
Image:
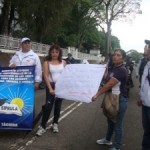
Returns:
(70, 59)
(140, 67)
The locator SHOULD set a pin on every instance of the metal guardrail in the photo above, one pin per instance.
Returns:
(10, 43)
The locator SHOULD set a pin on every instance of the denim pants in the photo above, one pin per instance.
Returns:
(51, 101)
(146, 127)
(117, 127)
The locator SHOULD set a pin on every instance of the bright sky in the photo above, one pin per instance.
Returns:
(132, 34)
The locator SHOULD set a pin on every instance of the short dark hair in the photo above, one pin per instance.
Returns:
(69, 54)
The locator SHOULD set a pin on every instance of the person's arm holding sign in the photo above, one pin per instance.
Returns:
(115, 100)
(112, 81)
(116, 77)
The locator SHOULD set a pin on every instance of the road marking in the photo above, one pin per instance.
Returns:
(71, 105)
(69, 110)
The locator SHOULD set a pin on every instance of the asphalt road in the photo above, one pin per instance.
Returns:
(80, 126)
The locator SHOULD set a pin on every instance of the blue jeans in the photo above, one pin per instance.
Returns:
(146, 127)
(117, 127)
(51, 101)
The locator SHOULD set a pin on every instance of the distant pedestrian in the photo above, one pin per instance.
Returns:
(115, 87)
(130, 67)
(70, 59)
(110, 61)
(52, 69)
(144, 100)
(26, 57)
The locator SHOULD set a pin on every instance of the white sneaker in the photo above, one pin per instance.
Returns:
(55, 128)
(49, 127)
(40, 131)
(104, 141)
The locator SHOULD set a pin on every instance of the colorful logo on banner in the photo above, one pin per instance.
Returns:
(17, 98)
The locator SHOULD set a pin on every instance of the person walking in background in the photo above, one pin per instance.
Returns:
(26, 57)
(52, 69)
(144, 101)
(116, 84)
(130, 67)
(110, 62)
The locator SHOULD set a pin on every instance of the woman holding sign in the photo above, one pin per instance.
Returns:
(52, 69)
(115, 84)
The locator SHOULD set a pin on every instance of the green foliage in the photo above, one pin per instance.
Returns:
(65, 22)
(39, 19)
(115, 43)
(77, 25)
(135, 55)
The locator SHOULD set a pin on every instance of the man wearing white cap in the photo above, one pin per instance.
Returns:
(26, 57)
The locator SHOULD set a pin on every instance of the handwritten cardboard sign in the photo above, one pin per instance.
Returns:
(79, 82)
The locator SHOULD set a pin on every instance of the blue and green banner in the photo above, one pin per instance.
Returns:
(17, 98)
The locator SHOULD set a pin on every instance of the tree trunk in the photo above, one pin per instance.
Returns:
(108, 39)
(11, 18)
(108, 32)
(5, 17)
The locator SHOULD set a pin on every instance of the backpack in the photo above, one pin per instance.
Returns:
(142, 65)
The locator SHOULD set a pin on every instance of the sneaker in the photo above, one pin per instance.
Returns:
(113, 148)
(49, 127)
(55, 128)
(40, 131)
(104, 141)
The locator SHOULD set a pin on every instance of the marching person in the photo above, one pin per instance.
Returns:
(52, 69)
(26, 57)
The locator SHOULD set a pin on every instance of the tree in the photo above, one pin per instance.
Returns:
(65, 22)
(115, 43)
(34, 18)
(109, 10)
(42, 19)
(4, 17)
(135, 55)
(79, 26)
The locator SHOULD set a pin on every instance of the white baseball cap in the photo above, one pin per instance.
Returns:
(25, 39)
